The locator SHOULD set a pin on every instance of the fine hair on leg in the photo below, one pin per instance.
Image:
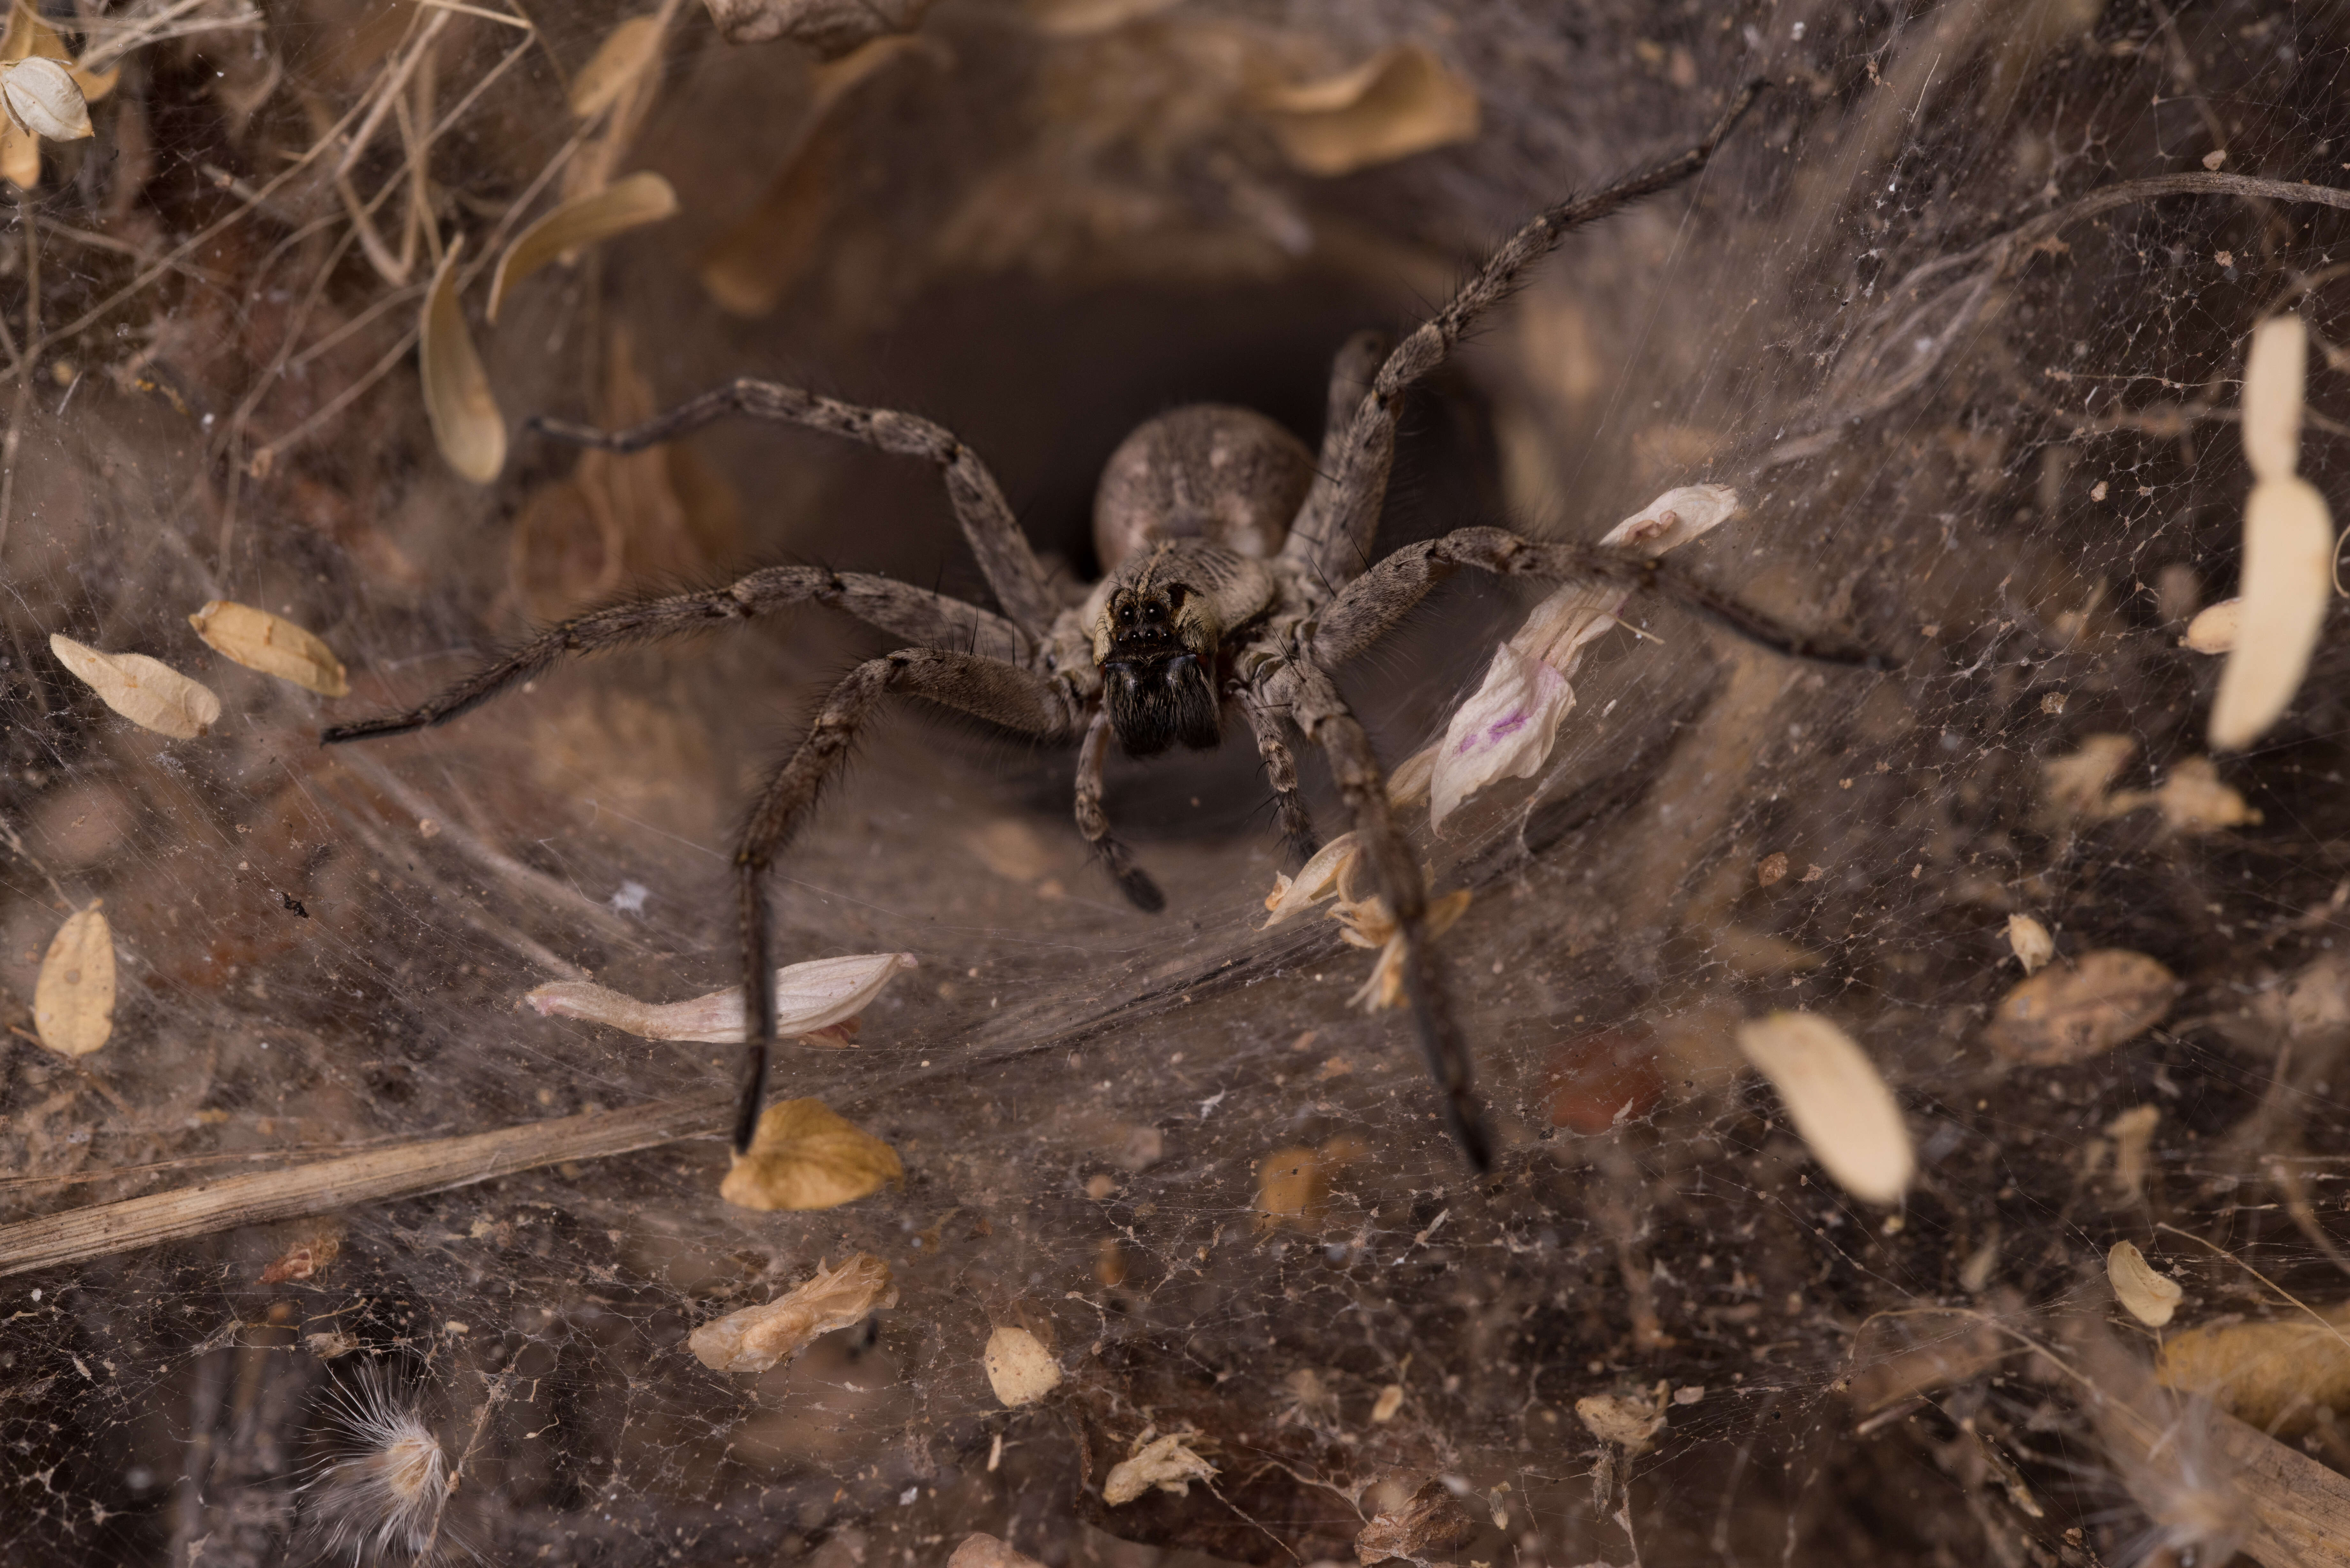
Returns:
(1093, 825)
(1281, 772)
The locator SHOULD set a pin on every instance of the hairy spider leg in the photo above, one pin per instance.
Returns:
(1281, 772)
(1352, 371)
(988, 689)
(1011, 567)
(1132, 880)
(1313, 703)
(894, 606)
(1335, 535)
(1368, 609)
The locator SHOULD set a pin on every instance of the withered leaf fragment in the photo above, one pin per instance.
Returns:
(831, 27)
(1167, 1463)
(1400, 102)
(37, 104)
(147, 691)
(810, 999)
(804, 1157)
(271, 644)
(73, 999)
(2279, 1376)
(466, 423)
(642, 198)
(2070, 1013)
(2147, 1295)
(43, 100)
(1019, 1368)
(756, 1338)
(1838, 1100)
(1429, 1524)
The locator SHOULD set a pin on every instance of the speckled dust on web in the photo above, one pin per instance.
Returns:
(1169, 1246)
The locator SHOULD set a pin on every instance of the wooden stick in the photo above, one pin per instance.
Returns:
(404, 1170)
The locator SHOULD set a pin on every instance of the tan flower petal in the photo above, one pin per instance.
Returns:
(623, 56)
(147, 691)
(1400, 102)
(809, 997)
(2275, 369)
(1317, 880)
(624, 204)
(466, 423)
(2148, 1296)
(271, 644)
(1838, 1100)
(756, 1338)
(1019, 1368)
(2288, 582)
(1167, 1463)
(73, 999)
(804, 1157)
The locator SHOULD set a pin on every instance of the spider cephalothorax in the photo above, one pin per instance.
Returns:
(1240, 572)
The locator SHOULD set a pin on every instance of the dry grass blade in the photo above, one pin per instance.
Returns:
(632, 203)
(618, 62)
(466, 422)
(1400, 102)
(2287, 584)
(756, 1338)
(271, 644)
(147, 691)
(402, 1172)
(72, 1000)
(804, 1157)
(1838, 1100)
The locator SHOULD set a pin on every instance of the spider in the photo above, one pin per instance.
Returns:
(1239, 575)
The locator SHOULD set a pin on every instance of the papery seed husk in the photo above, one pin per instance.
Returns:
(2274, 371)
(1167, 1463)
(2147, 1295)
(2071, 1013)
(1019, 1368)
(2288, 581)
(2030, 941)
(809, 997)
(147, 691)
(2215, 629)
(73, 998)
(756, 1338)
(1317, 880)
(1621, 1419)
(1838, 1100)
(466, 423)
(1400, 102)
(624, 204)
(804, 1157)
(2280, 1376)
(271, 644)
(44, 100)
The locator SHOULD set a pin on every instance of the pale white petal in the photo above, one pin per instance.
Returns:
(1316, 882)
(1839, 1104)
(1505, 730)
(2150, 1296)
(2288, 585)
(1675, 518)
(2274, 372)
(43, 96)
(808, 997)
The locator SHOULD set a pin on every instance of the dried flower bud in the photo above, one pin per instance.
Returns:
(43, 100)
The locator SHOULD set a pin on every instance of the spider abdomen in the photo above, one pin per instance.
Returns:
(1225, 475)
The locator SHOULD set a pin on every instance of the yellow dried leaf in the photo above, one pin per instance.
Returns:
(2145, 1293)
(623, 56)
(2288, 582)
(1400, 102)
(2071, 1014)
(1019, 1368)
(466, 422)
(1167, 1463)
(641, 199)
(2275, 369)
(73, 999)
(2216, 629)
(1838, 1100)
(2279, 1376)
(2030, 941)
(147, 691)
(756, 1338)
(804, 1157)
(273, 646)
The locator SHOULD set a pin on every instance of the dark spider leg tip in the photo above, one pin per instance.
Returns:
(1139, 889)
(368, 730)
(1476, 1143)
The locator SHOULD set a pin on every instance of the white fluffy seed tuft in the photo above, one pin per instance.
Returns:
(381, 1496)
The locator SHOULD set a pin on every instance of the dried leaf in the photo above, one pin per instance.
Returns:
(756, 1338)
(831, 27)
(1770, 869)
(2147, 1295)
(809, 998)
(30, 38)
(2216, 629)
(1167, 1464)
(2070, 1013)
(2274, 370)
(1624, 1419)
(1019, 1368)
(273, 646)
(980, 1549)
(804, 1157)
(2287, 586)
(466, 422)
(1838, 1100)
(2030, 941)
(1507, 728)
(2279, 1376)
(43, 100)
(1428, 1526)
(1400, 102)
(73, 999)
(147, 691)
(642, 198)
(624, 55)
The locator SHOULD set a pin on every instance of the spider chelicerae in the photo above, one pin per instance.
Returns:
(1239, 573)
